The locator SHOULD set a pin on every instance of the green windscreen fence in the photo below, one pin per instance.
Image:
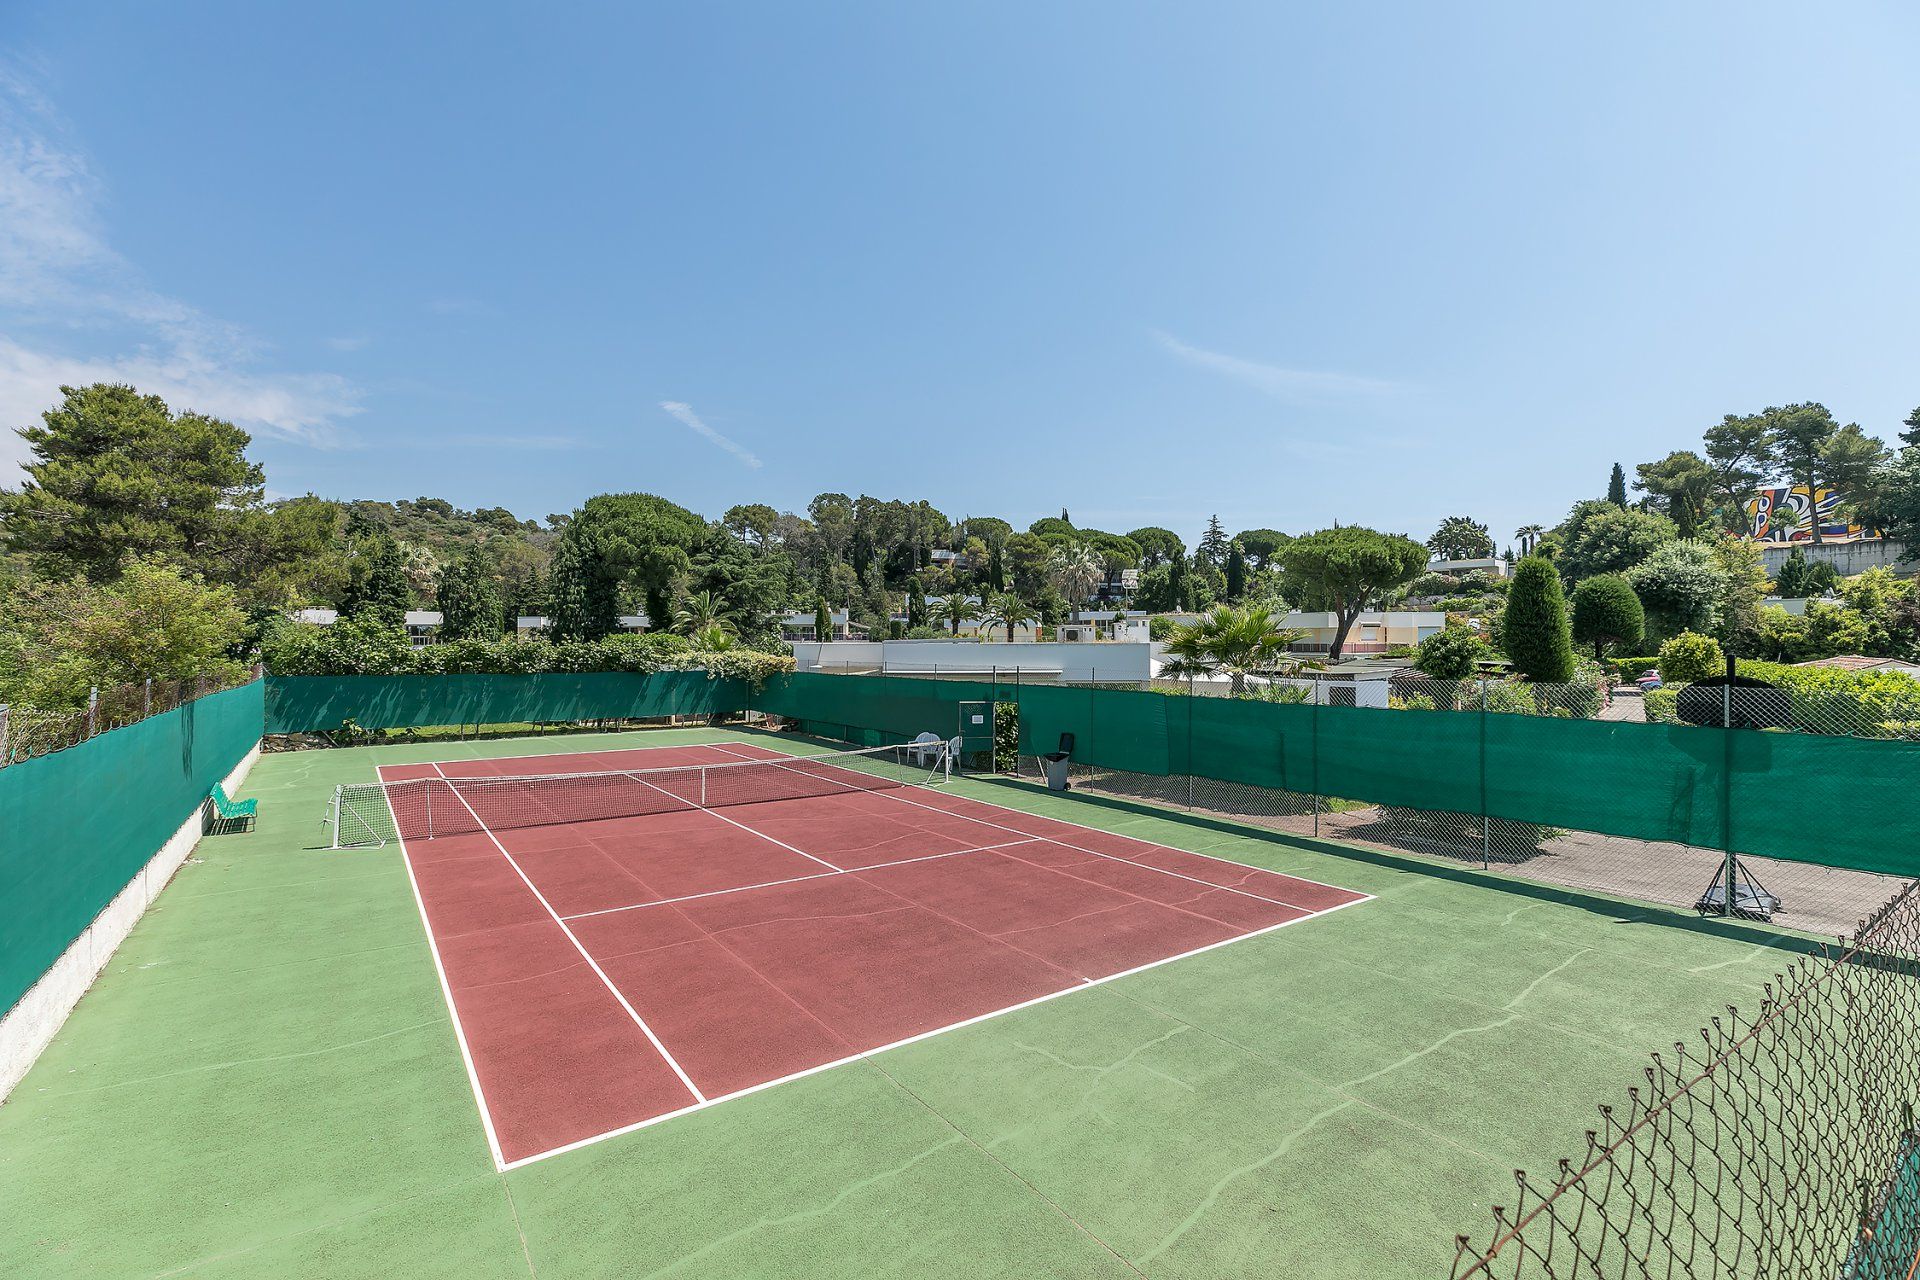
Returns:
(77, 825)
(1846, 802)
(308, 704)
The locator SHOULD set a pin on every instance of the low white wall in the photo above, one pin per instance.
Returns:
(1119, 661)
(29, 1027)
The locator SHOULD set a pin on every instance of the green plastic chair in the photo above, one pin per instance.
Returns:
(229, 814)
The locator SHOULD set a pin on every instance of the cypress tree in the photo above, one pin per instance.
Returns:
(379, 592)
(469, 603)
(1236, 572)
(822, 620)
(1617, 487)
(1534, 629)
(996, 570)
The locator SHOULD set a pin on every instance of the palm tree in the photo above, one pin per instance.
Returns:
(951, 609)
(701, 611)
(1075, 571)
(1240, 642)
(1008, 611)
(1528, 535)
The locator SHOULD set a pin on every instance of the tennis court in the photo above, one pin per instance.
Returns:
(629, 936)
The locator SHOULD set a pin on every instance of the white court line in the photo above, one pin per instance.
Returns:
(730, 822)
(1083, 985)
(818, 875)
(633, 1013)
(446, 991)
(1112, 857)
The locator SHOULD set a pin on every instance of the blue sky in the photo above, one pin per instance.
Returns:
(1371, 263)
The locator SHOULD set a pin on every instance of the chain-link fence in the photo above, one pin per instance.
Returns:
(1781, 1144)
(26, 732)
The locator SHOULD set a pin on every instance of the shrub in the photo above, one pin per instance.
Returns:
(1663, 706)
(358, 647)
(1161, 627)
(1690, 656)
(1450, 653)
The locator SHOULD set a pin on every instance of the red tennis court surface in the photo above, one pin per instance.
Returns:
(610, 974)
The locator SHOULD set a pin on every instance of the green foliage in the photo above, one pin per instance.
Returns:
(1690, 656)
(1236, 642)
(1606, 613)
(1006, 736)
(1050, 526)
(1599, 537)
(1236, 573)
(822, 620)
(1157, 545)
(1262, 547)
(362, 648)
(1679, 584)
(1461, 538)
(470, 605)
(1800, 578)
(1662, 705)
(378, 590)
(115, 475)
(632, 541)
(1453, 653)
(152, 621)
(1342, 569)
(1617, 487)
(1534, 627)
(1680, 486)
(1833, 700)
(1161, 628)
(1212, 546)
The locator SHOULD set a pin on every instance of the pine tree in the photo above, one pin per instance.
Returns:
(1617, 487)
(1213, 543)
(1911, 436)
(1534, 628)
(1236, 572)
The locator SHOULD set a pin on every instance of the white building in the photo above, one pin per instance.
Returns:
(1036, 661)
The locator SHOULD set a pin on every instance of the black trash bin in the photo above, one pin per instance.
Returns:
(1054, 764)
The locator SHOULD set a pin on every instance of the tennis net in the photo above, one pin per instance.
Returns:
(374, 813)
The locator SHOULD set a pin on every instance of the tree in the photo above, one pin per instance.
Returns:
(1009, 611)
(1607, 614)
(379, 590)
(1617, 487)
(698, 611)
(1213, 543)
(1801, 434)
(1602, 538)
(1237, 642)
(115, 474)
(1452, 653)
(1743, 585)
(1740, 452)
(470, 606)
(641, 541)
(1262, 547)
(1048, 526)
(997, 566)
(1534, 627)
(153, 621)
(1461, 538)
(1896, 495)
(1528, 534)
(585, 604)
(952, 609)
(822, 620)
(1157, 545)
(1852, 462)
(1792, 582)
(1342, 569)
(1680, 487)
(754, 522)
(1911, 436)
(916, 605)
(1074, 571)
(1236, 573)
(1680, 586)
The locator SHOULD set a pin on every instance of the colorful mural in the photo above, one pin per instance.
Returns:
(1785, 514)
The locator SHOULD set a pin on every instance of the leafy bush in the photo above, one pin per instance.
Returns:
(352, 647)
(1450, 653)
(1161, 627)
(1663, 706)
(1690, 656)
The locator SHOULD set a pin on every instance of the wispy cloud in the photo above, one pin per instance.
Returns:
(685, 413)
(474, 308)
(1278, 381)
(61, 282)
(350, 342)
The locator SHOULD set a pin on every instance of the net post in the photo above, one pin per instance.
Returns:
(430, 790)
(333, 817)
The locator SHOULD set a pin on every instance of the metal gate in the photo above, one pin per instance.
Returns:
(975, 738)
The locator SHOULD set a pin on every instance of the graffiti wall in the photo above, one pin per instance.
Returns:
(1787, 513)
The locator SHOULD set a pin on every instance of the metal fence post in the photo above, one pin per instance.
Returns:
(5, 759)
(93, 709)
(146, 699)
(1486, 842)
(1190, 697)
(1726, 796)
